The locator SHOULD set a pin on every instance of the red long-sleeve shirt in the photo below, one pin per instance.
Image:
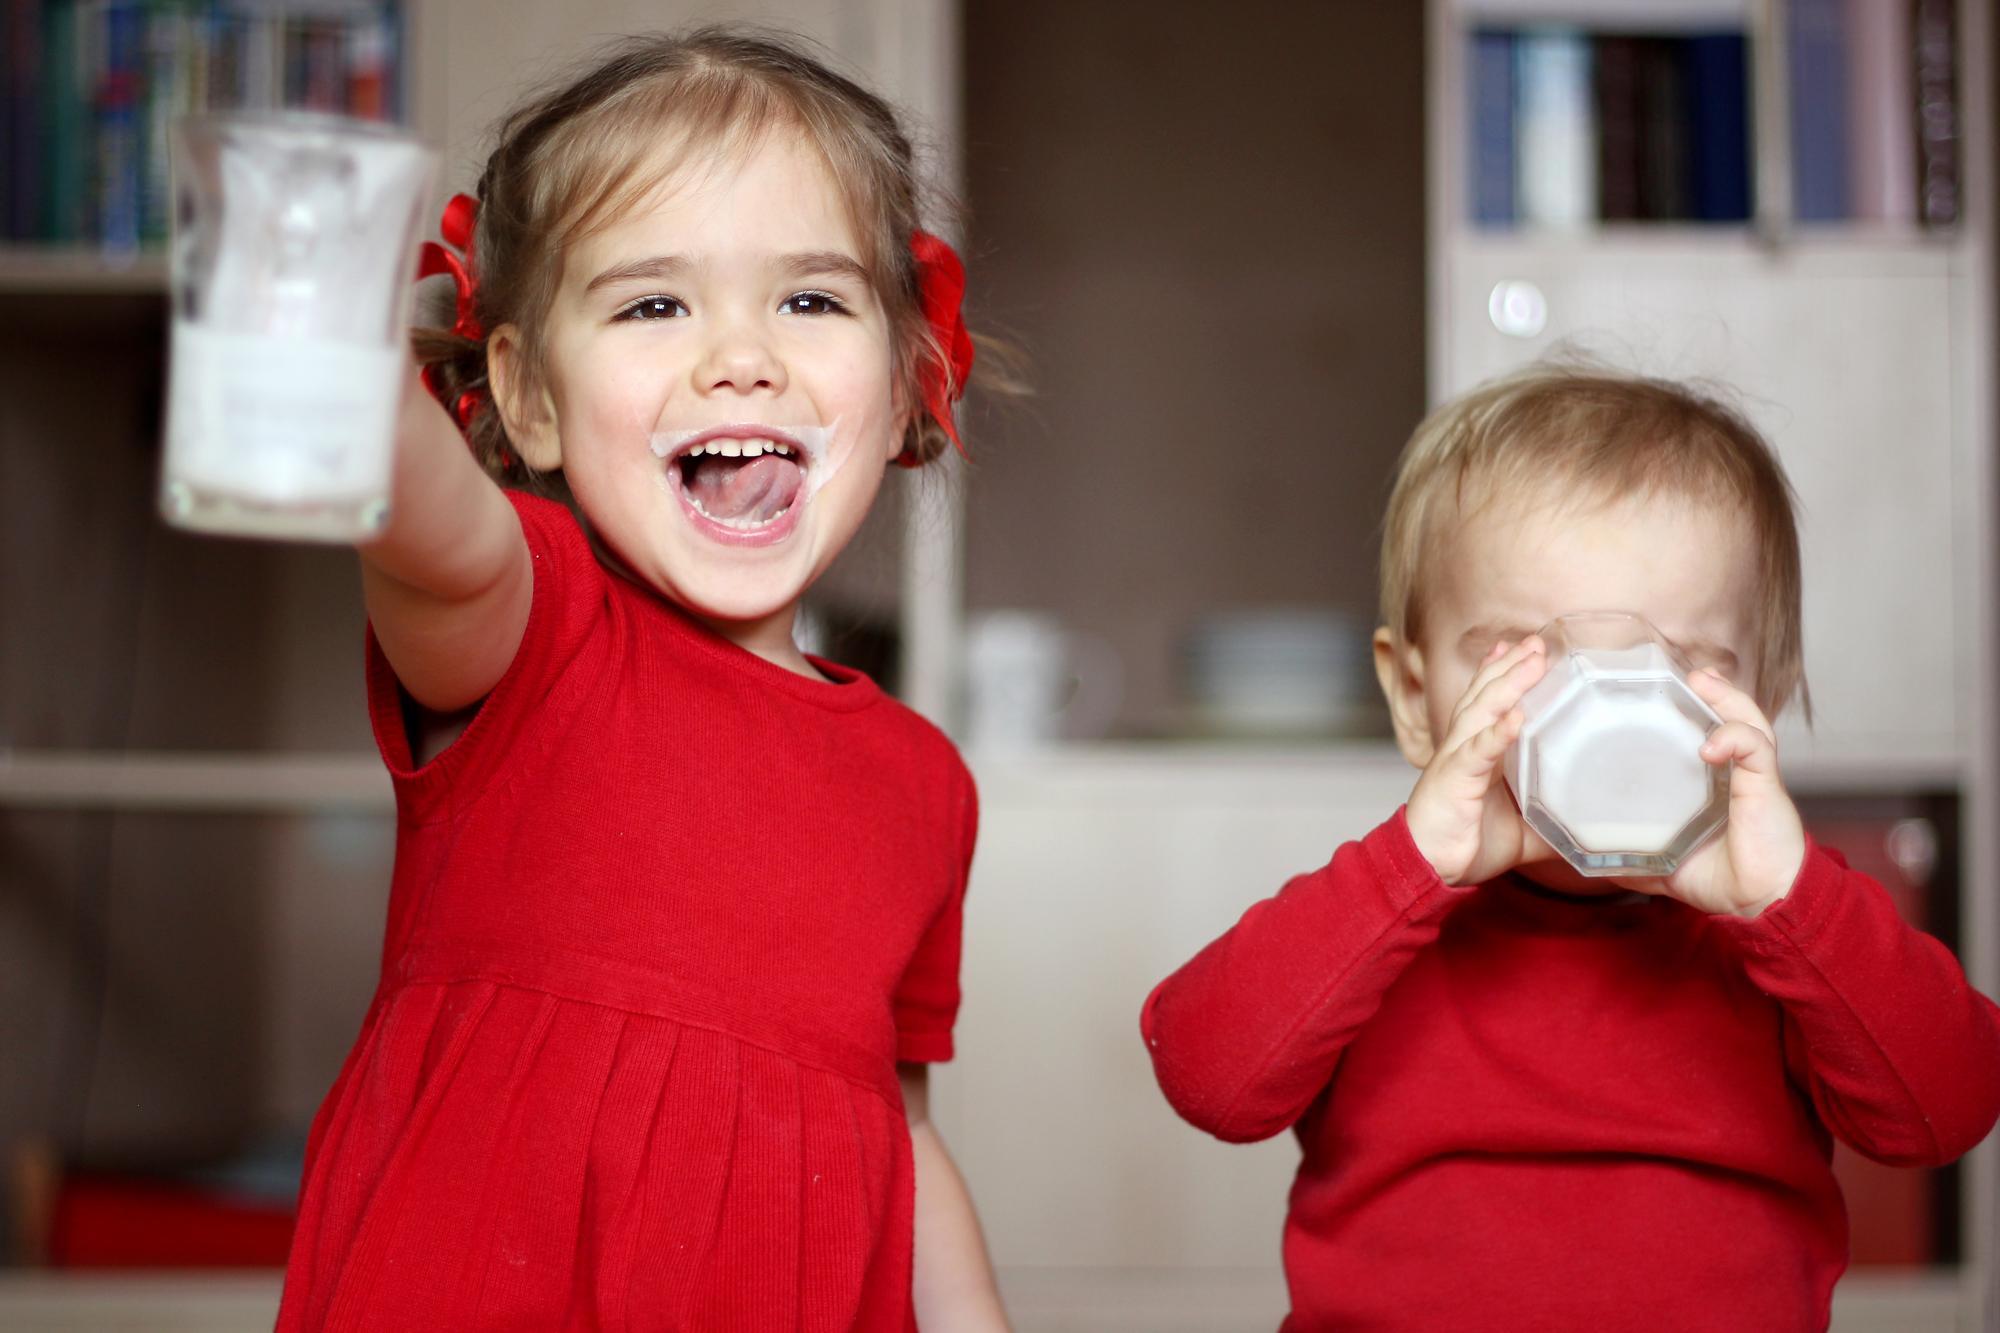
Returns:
(1524, 1110)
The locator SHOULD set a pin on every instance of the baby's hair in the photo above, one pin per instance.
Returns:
(1587, 433)
(576, 157)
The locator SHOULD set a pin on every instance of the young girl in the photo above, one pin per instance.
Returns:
(675, 920)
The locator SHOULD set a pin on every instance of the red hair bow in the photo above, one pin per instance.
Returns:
(941, 285)
(456, 226)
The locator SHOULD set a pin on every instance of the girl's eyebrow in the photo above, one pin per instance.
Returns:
(823, 263)
(659, 268)
(665, 268)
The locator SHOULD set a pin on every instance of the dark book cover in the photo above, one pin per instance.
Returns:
(1491, 141)
(64, 164)
(1663, 131)
(1937, 114)
(1718, 83)
(1616, 79)
(20, 213)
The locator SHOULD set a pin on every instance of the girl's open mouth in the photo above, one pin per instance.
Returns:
(744, 486)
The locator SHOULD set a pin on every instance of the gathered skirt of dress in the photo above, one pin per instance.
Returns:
(495, 1157)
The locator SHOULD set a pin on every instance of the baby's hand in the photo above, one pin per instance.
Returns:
(1460, 814)
(1753, 863)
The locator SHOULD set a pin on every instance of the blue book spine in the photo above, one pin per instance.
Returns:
(1492, 130)
(1718, 81)
(1817, 46)
(120, 171)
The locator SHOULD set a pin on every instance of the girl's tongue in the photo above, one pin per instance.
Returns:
(744, 490)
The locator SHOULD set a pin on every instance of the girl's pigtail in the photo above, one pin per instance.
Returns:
(454, 359)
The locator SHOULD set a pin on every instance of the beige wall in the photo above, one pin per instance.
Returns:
(1206, 224)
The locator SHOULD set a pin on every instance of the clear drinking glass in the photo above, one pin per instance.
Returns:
(294, 251)
(1608, 768)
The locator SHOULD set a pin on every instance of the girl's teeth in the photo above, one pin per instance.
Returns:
(741, 449)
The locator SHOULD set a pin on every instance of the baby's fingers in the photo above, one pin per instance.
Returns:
(1506, 681)
(1730, 704)
(1739, 743)
(1473, 763)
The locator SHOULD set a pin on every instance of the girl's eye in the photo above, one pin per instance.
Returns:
(812, 303)
(654, 307)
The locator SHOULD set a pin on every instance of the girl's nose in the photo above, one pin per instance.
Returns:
(740, 359)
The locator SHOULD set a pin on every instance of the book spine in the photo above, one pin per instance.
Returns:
(1718, 82)
(1556, 152)
(366, 67)
(1882, 110)
(64, 153)
(118, 148)
(1663, 131)
(165, 97)
(1817, 48)
(1616, 79)
(1937, 114)
(1492, 129)
(21, 215)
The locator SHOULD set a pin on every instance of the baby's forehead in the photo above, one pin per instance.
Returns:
(1517, 560)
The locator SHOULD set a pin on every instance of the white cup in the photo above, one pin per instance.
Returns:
(293, 262)
(1031, 682)
(1608, 767)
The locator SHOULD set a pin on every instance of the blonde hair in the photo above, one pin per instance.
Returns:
(575, 157)
(1595, 434)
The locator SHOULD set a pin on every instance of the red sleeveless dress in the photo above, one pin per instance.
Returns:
(664, 920)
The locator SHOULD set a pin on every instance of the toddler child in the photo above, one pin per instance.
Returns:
(1530, 1100)
(674, 928)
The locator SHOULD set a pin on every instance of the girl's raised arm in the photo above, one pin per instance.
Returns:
(448, 584)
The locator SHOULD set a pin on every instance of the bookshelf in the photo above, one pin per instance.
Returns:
(1861, 338)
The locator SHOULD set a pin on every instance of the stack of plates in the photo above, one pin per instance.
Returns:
(1281, 672)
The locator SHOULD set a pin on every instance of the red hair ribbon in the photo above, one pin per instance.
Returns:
(456, 226)
(941, 285)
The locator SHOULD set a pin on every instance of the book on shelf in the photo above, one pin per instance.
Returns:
(1882, 110)
(1718, 82)
(92, 88)
(1492, 128)
(1816, 69)
(1568, 126)
(1937, 113)
(1555, 155)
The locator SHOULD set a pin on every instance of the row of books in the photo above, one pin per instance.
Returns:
(1569, 127)
(91, 87)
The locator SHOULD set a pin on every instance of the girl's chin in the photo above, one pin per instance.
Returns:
(743, 597)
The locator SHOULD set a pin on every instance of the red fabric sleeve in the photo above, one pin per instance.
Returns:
(568, 606)
(1248, 1033)
(1900, 1054)
(926, 1002)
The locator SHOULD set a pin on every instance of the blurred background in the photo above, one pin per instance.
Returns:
(1244, 246)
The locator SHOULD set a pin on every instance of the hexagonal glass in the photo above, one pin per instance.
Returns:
(1608, 768)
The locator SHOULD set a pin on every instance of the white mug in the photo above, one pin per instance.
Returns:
(1030, 681)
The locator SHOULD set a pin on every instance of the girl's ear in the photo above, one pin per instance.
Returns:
(1399, 667)
(529, 415)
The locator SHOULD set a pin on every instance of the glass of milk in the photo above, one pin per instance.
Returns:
(1608, 767)
(294, 248)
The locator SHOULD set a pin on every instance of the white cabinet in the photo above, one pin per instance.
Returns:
(1842, 357)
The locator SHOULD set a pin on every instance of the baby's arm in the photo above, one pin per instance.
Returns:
(448, 584)
(1247, 1034)
(1901, 1055)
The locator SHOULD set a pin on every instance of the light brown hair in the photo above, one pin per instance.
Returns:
(579, 154)
(1596, 435)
